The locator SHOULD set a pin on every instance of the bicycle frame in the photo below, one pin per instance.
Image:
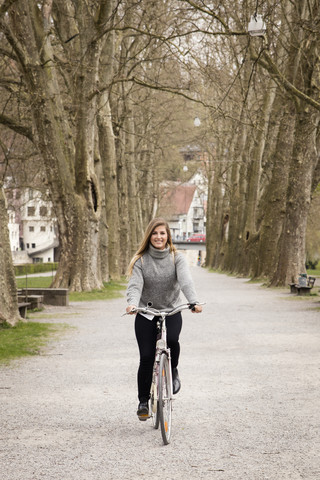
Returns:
(161, 347)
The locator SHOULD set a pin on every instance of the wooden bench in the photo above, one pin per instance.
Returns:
(51, 296)
(23, 306)
(306, 289)
(303, 287)
(36, 301)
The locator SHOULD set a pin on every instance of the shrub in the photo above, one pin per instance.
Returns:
(29, 268)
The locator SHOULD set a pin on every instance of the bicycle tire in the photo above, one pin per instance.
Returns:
(165, 399)
(154, 402)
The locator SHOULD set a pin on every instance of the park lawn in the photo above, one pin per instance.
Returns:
(25, 339)
(34, 282)
(109, 291)
(314, 273)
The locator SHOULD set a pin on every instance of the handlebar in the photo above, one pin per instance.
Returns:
(163, 313)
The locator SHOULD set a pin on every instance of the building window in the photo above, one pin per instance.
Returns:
(38, 260)
(28, 245)
(31, 211)
(33, 245)
(43, 211)
(42, 229)
(30, 194)
(31, 229)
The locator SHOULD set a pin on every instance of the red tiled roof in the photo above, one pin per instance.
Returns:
(177, 200)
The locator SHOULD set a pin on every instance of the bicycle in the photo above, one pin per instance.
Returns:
(161, 394)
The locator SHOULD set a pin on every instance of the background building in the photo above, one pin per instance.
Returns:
(32, 226)
(184, 206)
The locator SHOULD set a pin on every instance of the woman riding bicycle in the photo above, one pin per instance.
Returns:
(158, 273)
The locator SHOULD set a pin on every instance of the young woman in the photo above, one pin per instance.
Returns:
(157, 274)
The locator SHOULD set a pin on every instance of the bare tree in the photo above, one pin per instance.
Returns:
(61, 83)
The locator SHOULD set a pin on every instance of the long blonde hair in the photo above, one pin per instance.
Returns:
(144, 245)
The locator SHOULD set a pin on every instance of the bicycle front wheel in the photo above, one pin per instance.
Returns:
(154, 400)
(165, 399)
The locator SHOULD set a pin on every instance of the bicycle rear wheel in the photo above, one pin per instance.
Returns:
(165, 399)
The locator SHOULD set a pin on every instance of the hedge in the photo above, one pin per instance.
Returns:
(29, 268)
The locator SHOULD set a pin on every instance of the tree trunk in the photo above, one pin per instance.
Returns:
(108, 157)
(235, 231)
(130, 156)
(274, 205)
(9, 312)
(217, 210)
(255, 170)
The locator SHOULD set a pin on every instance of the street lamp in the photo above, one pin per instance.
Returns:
(257, 27)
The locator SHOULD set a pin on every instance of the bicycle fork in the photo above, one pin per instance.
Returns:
(155, 377)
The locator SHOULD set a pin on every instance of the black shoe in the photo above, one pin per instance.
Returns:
(143, 411)
(176, 384)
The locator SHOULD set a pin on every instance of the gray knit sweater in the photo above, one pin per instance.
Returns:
(158, 277)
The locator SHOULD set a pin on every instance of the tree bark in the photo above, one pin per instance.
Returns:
(108, 157)
(274, 206)
(107, 147)
(9, 312)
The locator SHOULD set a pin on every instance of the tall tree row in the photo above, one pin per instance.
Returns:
(270, 165)
(60, 83)
(79, 98)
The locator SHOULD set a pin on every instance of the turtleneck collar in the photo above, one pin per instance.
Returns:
(156, 253)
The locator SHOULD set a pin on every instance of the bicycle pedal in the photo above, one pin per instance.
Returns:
(143, 418)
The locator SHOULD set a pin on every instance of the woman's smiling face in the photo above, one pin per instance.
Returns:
(159, 237)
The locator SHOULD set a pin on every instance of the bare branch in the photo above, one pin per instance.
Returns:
(266, 62)
(216, 17)
(172, 36)
(17, 127)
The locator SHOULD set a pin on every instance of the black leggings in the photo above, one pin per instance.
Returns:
(146, 334)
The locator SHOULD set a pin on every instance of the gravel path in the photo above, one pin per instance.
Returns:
(249, 405)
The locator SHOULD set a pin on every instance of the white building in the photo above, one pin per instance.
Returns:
(13, 231)
(32, 226)
(38, 226)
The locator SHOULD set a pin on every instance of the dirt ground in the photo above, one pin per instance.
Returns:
(248, 408)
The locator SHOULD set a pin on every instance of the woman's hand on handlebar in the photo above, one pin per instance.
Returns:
(197, 309)
(131, 309)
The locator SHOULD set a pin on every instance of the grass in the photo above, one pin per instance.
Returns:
(299, 298)
(25, 339)
(109, 291)
(34, 282)
(314, 273)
